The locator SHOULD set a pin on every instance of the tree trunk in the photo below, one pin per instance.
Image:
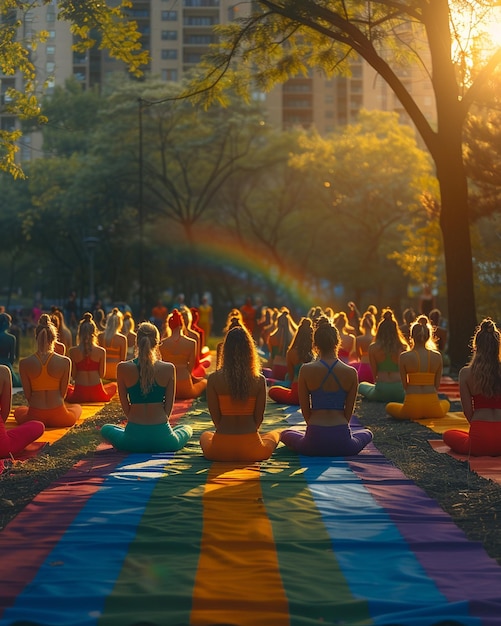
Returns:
(454, 223)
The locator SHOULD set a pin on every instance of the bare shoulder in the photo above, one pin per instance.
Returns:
(164, 367)
(126, 366)
(216, 381)
(347, 372)
(465, 373)
(164, 371)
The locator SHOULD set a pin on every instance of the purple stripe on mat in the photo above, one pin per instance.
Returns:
(461, 568)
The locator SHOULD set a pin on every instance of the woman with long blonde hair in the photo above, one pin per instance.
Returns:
(236, 397)
(367, 332)
(114, 342)
(88, 361)
(146, 387)
(420, 371)
(278, 344)
(384, 353)
(181, 350)
(480, 390)
(300, 351)
(45, 376)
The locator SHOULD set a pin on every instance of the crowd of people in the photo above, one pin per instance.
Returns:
(323, 363)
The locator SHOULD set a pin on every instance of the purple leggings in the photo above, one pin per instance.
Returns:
(327, 440)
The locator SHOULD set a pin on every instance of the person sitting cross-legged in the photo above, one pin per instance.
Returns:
(236, 397)
(146, 387)
(327, 394)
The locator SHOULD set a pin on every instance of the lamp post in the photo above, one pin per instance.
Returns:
(140, 209)
(91, 243)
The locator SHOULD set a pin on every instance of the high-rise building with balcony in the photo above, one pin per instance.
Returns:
(177, 33)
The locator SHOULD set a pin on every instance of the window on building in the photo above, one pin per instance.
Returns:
(169, 16)
(51, 50)
(201, 40)
(201, 3)
(169, 75)
(200, 20)
(50, 66)
(192, 57)
(169, 35)
(169, 53)
(7, 123)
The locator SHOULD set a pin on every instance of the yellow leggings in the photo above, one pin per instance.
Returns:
(418, 406)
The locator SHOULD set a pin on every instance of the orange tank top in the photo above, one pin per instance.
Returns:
(112, 353)
(230, 406)
(44, 381)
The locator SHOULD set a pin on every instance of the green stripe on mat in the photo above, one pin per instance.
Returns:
(155, 586)
(304, 549)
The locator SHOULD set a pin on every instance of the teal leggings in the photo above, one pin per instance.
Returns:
(147, 437)
(382, 391)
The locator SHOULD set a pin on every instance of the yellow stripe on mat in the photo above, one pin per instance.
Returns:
(238, 579)
(451, 420)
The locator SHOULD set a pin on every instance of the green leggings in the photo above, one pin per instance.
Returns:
(147, 437)
(382, 391)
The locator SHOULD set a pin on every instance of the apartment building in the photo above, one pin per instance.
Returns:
(177, 33)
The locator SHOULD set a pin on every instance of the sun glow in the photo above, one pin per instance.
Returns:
(493, 29)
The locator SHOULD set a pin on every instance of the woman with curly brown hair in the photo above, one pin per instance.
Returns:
(88, 361)
(420, 372)
(146, 387)
(114, 342)
(236, 397)
(480, 389)
(300, 351)
(327, 394)
(45, 376)
(384, 353)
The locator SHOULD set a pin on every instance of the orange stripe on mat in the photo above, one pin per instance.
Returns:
(238, 579)
(53, 434)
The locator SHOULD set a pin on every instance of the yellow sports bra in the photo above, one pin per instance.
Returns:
(422, 378)
(230, 406)
(44, 381)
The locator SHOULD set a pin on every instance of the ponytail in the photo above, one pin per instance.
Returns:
(148, 339)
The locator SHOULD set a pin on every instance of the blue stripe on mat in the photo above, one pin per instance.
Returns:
(375, 559)
(97, 541)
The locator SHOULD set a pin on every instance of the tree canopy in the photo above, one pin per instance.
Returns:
(92, 22)
(283, 38)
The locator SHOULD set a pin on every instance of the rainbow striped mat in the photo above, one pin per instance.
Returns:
(174, 540)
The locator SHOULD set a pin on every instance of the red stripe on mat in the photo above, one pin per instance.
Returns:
(19, 565)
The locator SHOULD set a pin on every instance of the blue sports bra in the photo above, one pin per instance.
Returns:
(155, 395)
(328, 400)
